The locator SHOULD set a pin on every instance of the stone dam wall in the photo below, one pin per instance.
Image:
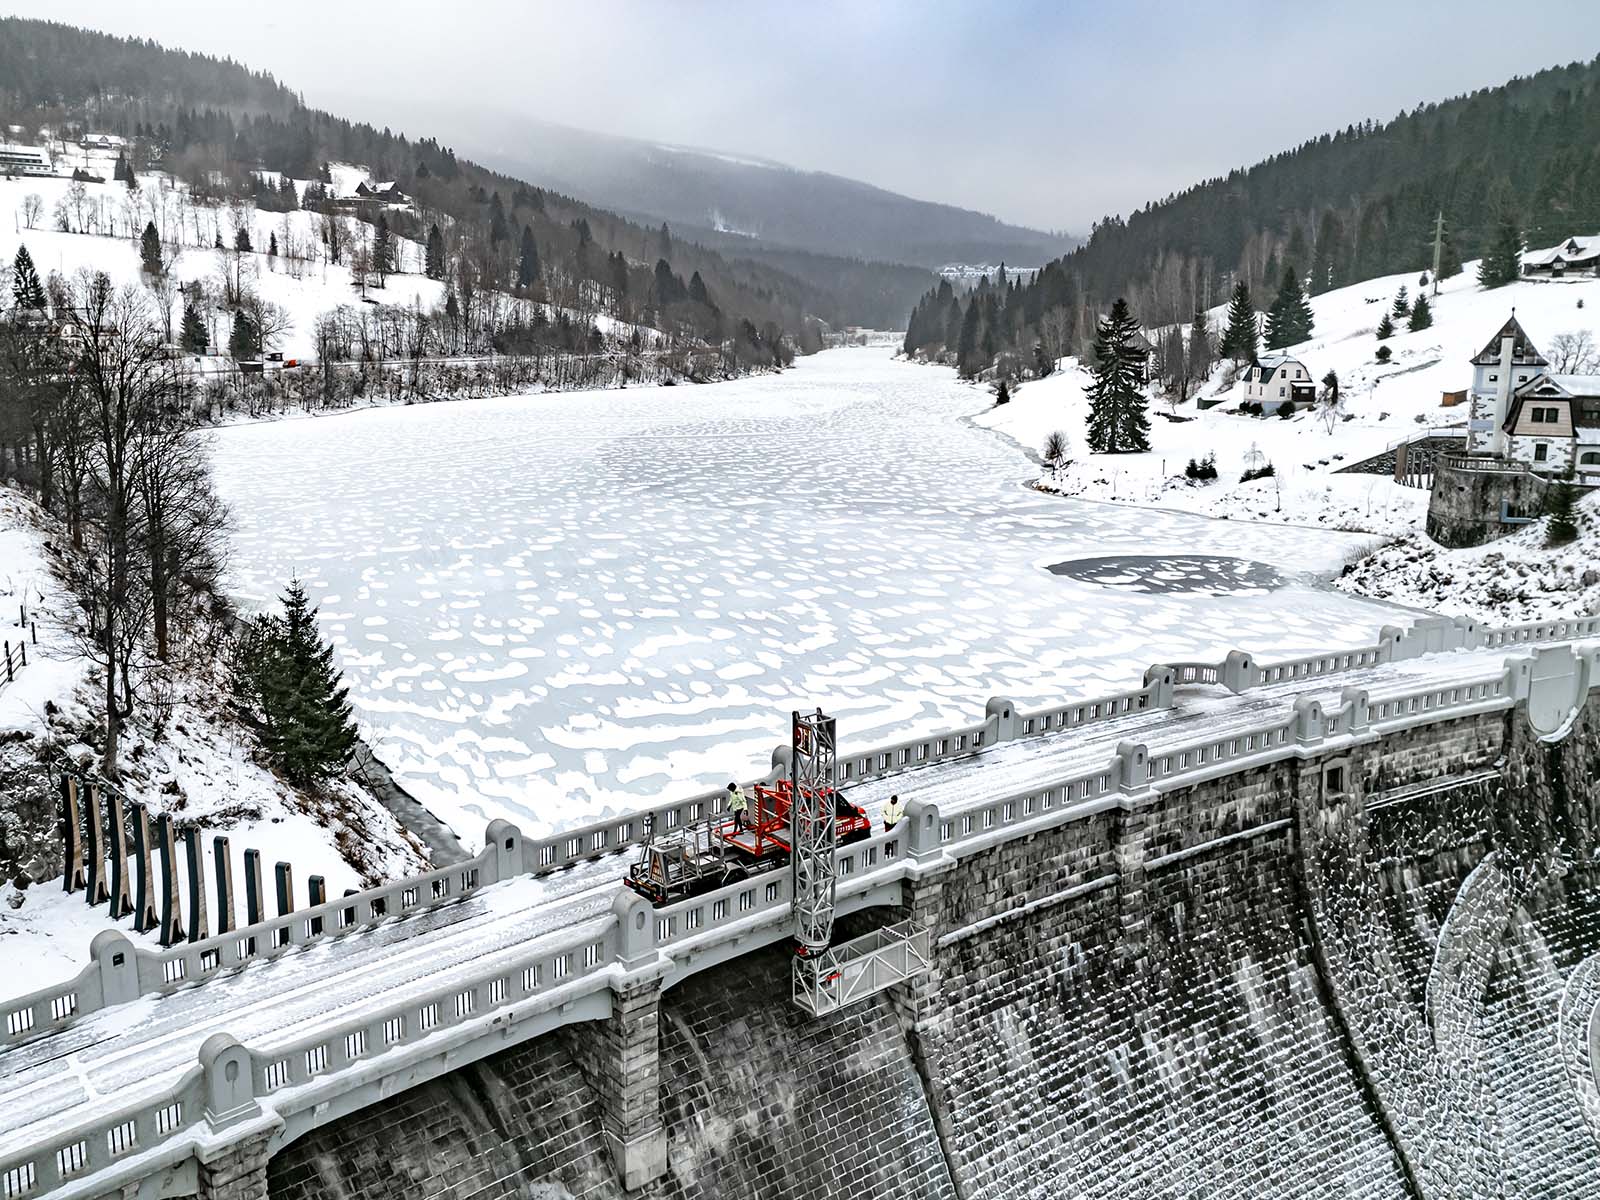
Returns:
(1338, 977)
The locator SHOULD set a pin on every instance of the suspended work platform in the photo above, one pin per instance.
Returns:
(862, 967)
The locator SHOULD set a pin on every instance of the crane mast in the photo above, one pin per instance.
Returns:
(814, 830)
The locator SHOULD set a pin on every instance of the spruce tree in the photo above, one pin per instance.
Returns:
(193, 337)
(528, 260)
(150, 251)
(433, 262)
(1198, 354)
(1117, 420)
(1562, 527)
(272, 245)
(1290, 320)
(967, 364)
(1502, 261)
(26, 290)
(286, 673)
(1421, 314)
(382, 249)
(1327, 259)
(1385, 328)
(241, 239)
(1401, 309)
(1241, 341)
(242, 338)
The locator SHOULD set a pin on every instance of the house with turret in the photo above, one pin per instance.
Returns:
(1523, 412)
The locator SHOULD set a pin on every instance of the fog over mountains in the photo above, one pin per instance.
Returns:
(750, 205)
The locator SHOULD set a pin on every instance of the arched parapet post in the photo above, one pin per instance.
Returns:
(1308, 722)
(1471, 632)
(924, 831)
(1389, 643)
(1239, 671)
(503, 840)
(1000, 715)
(230, 1094)
(1160, 682)
(1555, 688)
(118, 964)
(636, 942)
(1356, 711)
(1133, 767)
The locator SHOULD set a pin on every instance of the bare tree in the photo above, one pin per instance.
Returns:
(32, 209)
(1574, 353)
(128, 382)
(270, 321)
(182, 522)
(1056, 449)
(1329, 403)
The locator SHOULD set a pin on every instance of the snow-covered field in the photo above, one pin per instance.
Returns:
(555, 606)
(1386, 403)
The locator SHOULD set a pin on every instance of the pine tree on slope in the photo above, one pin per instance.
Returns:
(1385, 328)
(26, 290)
(287, 673)
(193, 336)
(1199, 353)
(1401, 309)
(1502, 262)
(1562, 527)
(150, 251)
(1241, 341)
(242, 338)
(433, 262)
(528, 261)
(1421, 314)
(1290, 319)
(1117, 420)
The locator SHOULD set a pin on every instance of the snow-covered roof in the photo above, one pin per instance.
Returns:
(1523, 352)
(1586, 246)
(1577, 385)
(1272, 362)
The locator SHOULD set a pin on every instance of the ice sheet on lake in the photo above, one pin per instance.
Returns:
(558, 605)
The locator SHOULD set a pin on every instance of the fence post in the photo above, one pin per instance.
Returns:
(96, 891)
(1133, 766)
(1238, 671)
(283, 875)
(195, 860)
(71, 834)
(118, 848)
(171, 909)
(255, 903)
(230, 1081)
(114, 954)
(222, 865)
(144, 883)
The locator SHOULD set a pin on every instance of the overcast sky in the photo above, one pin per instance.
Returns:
(1047, 114)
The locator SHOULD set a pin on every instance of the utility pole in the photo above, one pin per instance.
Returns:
(1438, 250)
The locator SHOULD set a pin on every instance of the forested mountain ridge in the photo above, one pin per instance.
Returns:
(734, 199)
(213, 124)
(1337, 209)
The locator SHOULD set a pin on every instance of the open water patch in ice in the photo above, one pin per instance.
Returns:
(1168, 575)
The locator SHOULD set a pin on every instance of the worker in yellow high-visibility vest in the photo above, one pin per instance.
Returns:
(738, 805)
(892, 812)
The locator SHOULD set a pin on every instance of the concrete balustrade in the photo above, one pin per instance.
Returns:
(568, 972)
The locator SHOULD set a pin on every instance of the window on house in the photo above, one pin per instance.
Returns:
(1281, 391)
(1590, 458)
(1541, 452)
(1492, 378)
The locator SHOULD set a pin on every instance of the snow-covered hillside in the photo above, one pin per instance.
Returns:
(1384, 404)
(1516, 578)
(304, 289)
(196, 765)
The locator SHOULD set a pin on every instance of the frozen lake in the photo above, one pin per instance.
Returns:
(557, 605)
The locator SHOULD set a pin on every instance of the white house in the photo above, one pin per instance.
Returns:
(1498, 370)
(1523, 412)
(1278, 379)
(1571, 256)
(25, 160)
